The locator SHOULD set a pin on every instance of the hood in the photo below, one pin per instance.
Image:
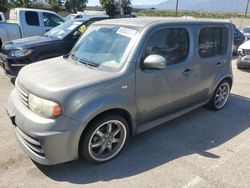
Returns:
(28, 42)
(59, 76)
(245, 45)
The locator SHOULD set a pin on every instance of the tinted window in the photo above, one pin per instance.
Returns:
(172, 44)
(212, 41)
(51, 20)
(31, 18)
(1, 18)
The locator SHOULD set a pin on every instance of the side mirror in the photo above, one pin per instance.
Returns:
(156, 62)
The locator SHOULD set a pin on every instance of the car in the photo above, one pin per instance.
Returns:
(26, 22)
(246, 32)
(122, 77)
(239, 38)
(83, 15)
(59, 41)
(243, 61)
(2, 17)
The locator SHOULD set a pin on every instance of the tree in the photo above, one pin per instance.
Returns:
(55, 5)
(75, 5)
(112, 7)
(19, 3)
(4, 5)
(126, 6)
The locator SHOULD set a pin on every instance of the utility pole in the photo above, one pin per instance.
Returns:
(120, 6)
(176, 9)
(246, 8)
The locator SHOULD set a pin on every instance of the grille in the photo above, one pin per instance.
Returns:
(23, 95)
(31, 142)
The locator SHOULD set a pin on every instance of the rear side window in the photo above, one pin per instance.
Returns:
(32, 18)
(171, 43)
(212, 41)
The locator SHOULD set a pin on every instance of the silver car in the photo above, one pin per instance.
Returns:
(122, 77)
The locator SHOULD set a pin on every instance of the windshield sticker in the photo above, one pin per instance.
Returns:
(126, 32)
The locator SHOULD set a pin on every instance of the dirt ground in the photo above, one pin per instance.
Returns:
(200, 149)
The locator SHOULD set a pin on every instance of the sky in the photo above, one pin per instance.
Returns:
(134, 2)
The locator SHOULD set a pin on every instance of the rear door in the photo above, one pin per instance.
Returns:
(30, 24)
(50, 21)
(212, 58)
(163, 92)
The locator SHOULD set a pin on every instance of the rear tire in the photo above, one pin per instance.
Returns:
(220, 96)
(104, 138)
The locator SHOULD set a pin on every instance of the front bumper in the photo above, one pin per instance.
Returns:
(12, 66)
(46, 141)
(243, 62)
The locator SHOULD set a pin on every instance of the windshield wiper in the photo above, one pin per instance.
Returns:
(84, 61)
(88, 63)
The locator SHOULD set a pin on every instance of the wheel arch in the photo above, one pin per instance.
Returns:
(118, 111)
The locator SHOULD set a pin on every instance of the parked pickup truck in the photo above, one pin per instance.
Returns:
(2, 18)
(28, 22)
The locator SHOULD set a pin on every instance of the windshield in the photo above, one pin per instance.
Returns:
(63, 30)
(104, 46)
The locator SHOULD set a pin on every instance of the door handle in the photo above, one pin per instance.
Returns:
(218, 64)
(187, 72)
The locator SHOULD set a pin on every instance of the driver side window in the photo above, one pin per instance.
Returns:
(171, 43)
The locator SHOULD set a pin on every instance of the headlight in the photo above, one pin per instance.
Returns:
(241, 51)
(44, 107)
(20, 52)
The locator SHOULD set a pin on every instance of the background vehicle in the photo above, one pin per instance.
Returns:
(2, 18)
(28, 22)
(58, 41)
(243, 61)
(121, 78)
(246, 32)
(239, 38)
(83, 15)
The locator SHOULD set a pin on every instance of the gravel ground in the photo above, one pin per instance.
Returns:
(200, 149)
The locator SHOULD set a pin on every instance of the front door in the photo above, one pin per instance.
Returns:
(163, 92)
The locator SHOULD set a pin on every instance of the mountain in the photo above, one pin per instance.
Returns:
(201, 5)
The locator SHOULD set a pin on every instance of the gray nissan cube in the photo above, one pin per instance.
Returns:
(122, 77)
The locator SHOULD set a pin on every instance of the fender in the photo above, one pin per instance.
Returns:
(86, 112)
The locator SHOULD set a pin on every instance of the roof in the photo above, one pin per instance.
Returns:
(32, 9)
(145, 21)
(87, 18)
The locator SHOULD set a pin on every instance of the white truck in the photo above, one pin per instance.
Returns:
(2, 18)
(25, 22)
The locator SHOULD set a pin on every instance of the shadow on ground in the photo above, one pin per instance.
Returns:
(193, 133)
(245, 70)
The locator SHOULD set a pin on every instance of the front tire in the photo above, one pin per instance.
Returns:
(104, 138)
(220, 96)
